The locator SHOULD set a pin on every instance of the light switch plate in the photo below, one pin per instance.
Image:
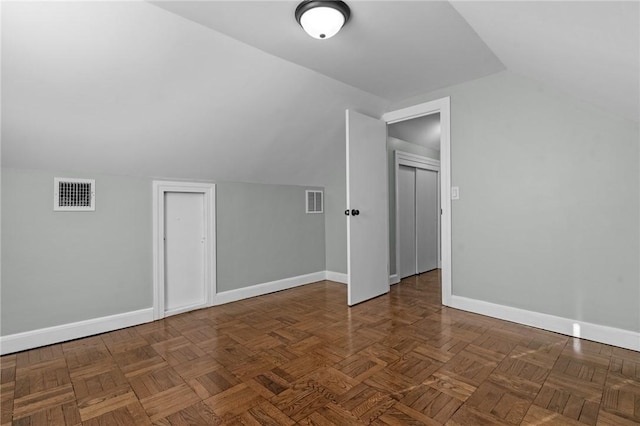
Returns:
(455, 193)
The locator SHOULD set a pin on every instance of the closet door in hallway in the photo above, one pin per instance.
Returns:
(407, 220)
(418, 215)
(426, 220)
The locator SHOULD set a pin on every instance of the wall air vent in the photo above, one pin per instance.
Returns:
(314, 201)
(71, 194)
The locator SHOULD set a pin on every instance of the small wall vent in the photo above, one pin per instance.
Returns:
(71, 194)
(314, 201)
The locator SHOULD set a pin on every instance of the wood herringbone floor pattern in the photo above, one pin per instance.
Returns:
(301, 356)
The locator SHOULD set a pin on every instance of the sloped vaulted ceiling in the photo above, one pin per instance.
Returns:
(133, 88)
(392, 49)
(128, 88)
(398, 49)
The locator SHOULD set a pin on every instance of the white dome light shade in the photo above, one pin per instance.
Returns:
(322, 19)
(322, 22)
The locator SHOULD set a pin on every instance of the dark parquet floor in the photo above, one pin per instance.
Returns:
(301, 356)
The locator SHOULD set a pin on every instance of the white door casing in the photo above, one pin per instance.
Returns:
(160, 190)
(368, 230)
(443, 106)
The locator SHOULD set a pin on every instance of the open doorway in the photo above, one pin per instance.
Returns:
(418, 137)
(368, 265)
(413, 148)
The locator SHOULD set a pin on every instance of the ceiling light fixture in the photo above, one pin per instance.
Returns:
(322, 19)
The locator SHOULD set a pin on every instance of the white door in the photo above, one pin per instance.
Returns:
(184, 215)
(427, 215)
(367, 205)
(407, 220)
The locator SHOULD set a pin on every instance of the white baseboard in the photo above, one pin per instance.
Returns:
(61, 333)
(585, 330)
(338, 277)
(394, 279)
(265, 288)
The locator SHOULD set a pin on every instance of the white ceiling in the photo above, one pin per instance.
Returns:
(398, 49)
(128, 88)
(588, 49)
(393, 49)
(423, 131)
(131, 88)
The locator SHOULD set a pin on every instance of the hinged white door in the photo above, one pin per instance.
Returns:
(367, 208)
(185, 239)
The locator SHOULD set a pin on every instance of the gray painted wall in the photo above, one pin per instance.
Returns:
(335, 197)
(63, 267)
(187, 122)
(548, 216)
(394, 144)
(264, 234)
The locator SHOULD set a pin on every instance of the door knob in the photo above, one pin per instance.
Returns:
(355, 212)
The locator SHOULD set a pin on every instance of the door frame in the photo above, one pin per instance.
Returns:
(443, 106)
(402, 158)
(160, 188)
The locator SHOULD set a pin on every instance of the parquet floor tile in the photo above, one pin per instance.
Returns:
(450, 386)
(431, 402)
(608, 419)
(360, 366)
(101, 391)
(213, 382)
(387, 381)
(104, 402)
(264, 413)
(622, 397)
(196, 368)
(467, 416)
(302, 357)
(539, 416)
(331, 414)
(64, 414)
(178, 350)
(400, 415)
(38, 358)
(472, 365)
(498, 402)
(139, 360)
(329, 382)
(41, 400)
(300, 401)
(196, 414)
(121, 341)
(365, 402)
(125, 414)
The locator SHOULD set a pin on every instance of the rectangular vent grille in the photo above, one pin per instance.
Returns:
(74, 194)
(314, 201)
